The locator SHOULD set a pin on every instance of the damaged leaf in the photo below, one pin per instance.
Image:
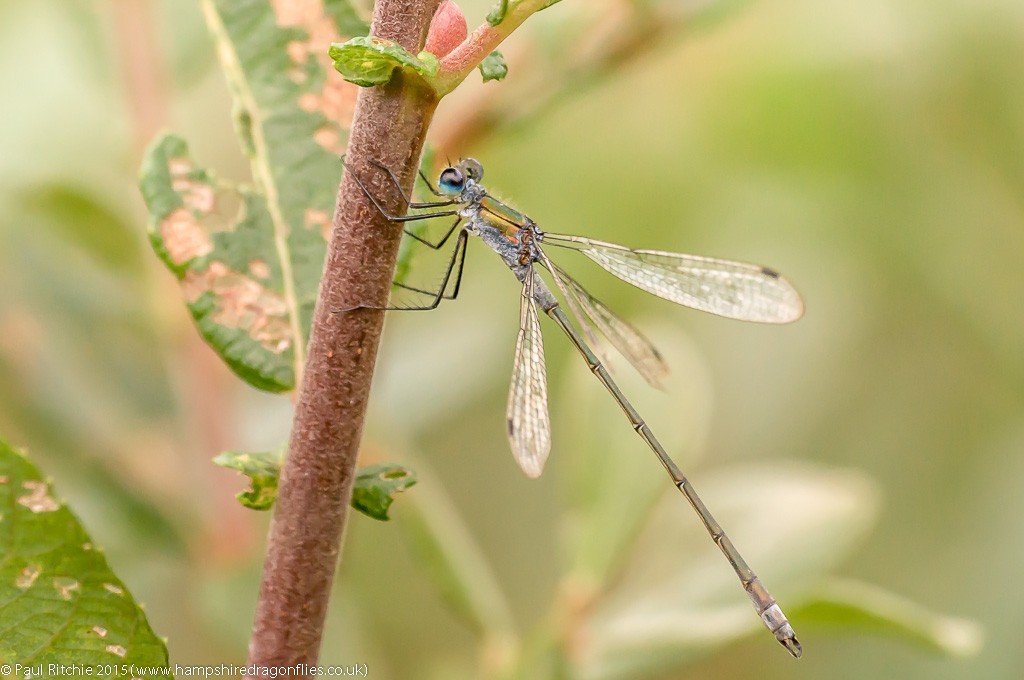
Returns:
(219, 241)
(372, 494)
(263, 468)
(376, 486)
(249, 258)
(59, 600)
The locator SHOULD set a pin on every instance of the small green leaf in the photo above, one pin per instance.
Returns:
(493, 67)
(430, 64)
(367, 61)
(376, 486)
(263, 468)
(59, 600)
(372, 493)
(497, 15)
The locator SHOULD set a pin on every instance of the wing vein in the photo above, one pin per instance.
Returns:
(623, 336)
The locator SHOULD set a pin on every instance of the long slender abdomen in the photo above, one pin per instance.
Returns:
(764, 603)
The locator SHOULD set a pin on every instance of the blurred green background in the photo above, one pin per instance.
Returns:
(871, 151)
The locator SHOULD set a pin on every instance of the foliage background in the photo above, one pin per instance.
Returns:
(873, 151)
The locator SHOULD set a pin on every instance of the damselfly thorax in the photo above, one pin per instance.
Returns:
(486, 215)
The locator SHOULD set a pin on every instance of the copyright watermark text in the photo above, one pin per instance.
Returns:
(128, 671)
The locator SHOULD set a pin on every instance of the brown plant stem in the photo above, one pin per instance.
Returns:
(389, 126)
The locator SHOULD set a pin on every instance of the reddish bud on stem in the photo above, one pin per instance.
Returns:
(447, 29)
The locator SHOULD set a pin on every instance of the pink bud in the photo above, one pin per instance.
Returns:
(447, 29)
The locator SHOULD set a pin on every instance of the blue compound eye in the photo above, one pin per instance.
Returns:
(451, 181)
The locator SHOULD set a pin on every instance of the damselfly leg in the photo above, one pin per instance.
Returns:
(400, 218)
(456, 263)
(441, 242)
(439, 294)
(408, 201)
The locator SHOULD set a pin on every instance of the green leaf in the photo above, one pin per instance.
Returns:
(376, 486)
(851, 605)
(368, 60)
(493, 67)
(372, 494)
(263, 469)
(497, 14)
(59, 600)
(220, 242)
(249, 258)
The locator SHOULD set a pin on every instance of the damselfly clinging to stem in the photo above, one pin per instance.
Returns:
(731, 289)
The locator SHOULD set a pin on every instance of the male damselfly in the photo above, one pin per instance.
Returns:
(731, 289)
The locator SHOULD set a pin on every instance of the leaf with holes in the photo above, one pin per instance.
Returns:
(372, 494)
(376, 486)
(59, 600)
(263, 468)
(249, 258)
(367, 60)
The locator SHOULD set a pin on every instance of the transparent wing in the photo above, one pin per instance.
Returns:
(732, 289)
(575, 306)
(624, 337)
(529, 425)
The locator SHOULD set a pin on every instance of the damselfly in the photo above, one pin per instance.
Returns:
(731, 289)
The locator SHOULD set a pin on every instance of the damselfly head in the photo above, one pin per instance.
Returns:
(453, 179)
